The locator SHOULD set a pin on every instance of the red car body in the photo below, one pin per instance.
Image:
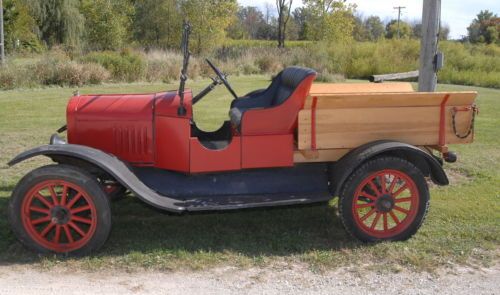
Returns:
(146, 130)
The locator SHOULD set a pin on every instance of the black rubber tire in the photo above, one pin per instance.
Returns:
(364, 171)
(73, 175)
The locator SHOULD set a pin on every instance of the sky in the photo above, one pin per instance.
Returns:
(458, 14)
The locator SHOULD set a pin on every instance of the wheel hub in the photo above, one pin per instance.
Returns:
(60, 215)
(385, 203)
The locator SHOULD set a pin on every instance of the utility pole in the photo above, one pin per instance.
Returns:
(399, 8)
(2, 42)
(431, 61)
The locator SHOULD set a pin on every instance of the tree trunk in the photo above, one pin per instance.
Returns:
(281, 5)
(280, 30)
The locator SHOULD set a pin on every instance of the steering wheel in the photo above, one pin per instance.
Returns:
(223, 78)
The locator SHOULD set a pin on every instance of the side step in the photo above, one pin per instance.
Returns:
(234, 202)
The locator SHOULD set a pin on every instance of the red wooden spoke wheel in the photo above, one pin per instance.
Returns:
(59, 215)
(384, 199)
(385, 203)
(60, 209)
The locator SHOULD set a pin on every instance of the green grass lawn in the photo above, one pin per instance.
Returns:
(463, 225)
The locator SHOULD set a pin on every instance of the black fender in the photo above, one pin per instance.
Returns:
(427, 163)
(119, 170)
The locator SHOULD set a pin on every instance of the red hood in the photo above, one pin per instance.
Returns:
(121, 124)
(104, 107)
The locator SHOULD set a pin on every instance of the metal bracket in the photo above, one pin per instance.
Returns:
(439, 61)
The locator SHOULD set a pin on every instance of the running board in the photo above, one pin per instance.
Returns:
(235, 202)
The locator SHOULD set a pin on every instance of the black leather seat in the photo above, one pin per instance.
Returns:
(281, 88)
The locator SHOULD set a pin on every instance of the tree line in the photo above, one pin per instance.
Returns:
(113, 24)
(33, 25)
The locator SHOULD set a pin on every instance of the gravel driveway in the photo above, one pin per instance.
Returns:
(276, 280)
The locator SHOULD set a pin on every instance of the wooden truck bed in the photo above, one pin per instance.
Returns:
(339, 117)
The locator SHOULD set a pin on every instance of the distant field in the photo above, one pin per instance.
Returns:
(463, 226)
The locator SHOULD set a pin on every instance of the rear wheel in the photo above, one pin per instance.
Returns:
(384, 199)
(60, 209)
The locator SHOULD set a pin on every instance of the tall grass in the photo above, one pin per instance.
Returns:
(51, 68)
(477, 65)
(465, 64)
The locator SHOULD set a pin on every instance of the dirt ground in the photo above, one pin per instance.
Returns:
(288, 280)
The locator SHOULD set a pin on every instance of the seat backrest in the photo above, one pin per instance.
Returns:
(290, 89)
(287, 81)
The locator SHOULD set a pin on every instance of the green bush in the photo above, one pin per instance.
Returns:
(95, 73)
(123, 66)
(12, 76)
(56, 68)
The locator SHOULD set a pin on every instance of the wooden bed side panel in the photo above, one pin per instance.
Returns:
(370, 100)
(319, 156)
(330, 88)
(350, 128)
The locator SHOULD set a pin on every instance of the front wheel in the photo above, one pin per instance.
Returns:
(60, 209)
(385, 199)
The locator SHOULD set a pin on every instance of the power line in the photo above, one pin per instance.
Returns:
(399, 8)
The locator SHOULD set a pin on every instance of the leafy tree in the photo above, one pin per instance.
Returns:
(248, 24)
(58, 21)
(391, 30)
(158, 23)
(292, 30)
(359, 32)
(444, 31)
(210, 19)
(236, 30)
(369, 29)
(268, 31)
(485, 28)
(331, 20)
(107, 23)
(19, 27)
(301, 15)
(252, 19)
(374, 28)
(492, 34)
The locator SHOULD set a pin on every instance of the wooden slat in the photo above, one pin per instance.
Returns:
(331, 155)
(364, 100)
(331, 88)
(350, 128)
(322, 156)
